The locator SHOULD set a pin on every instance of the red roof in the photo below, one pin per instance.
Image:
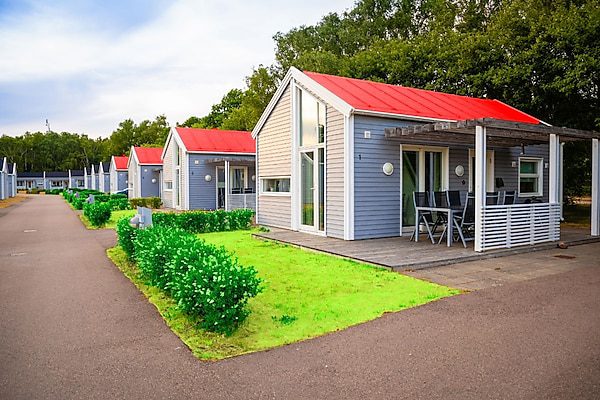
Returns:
(216, 140)
(149, 155)
(121, 162)
(380, 97)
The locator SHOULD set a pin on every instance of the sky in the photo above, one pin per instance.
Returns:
(88, 65)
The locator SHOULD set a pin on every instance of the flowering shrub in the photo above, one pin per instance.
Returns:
(204, 280)
(97, 213)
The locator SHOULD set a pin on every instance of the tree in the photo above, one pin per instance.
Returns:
(147, 133)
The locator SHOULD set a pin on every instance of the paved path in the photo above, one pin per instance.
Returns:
(72, 326)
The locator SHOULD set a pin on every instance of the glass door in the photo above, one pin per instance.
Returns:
(422, 171)
(410, 184)
(307, 190)
(220, 187)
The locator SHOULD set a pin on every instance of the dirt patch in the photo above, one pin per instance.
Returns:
(12, 200)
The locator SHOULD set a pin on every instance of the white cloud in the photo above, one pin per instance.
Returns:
(179, 63)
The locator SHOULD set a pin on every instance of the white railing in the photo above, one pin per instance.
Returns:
(236, 201)
(519, 224)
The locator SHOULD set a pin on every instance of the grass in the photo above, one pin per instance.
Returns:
(12, 200)
(305, 295)
(577, 215)
(115, 216)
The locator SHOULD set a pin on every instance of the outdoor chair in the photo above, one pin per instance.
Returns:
(440, 200)
(491, 198)
(465, 223)
(509, 197)
(236, 191)
(453, 199)
(249, 190)
(421, 199)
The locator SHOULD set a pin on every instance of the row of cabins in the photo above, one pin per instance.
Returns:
(341, 158)
(108, 177)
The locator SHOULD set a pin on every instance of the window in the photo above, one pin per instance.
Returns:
(312, 120)
(80, 183)
(530, 177)
(20, 183)
(238, 180)
(276, 185)
(168, 185)
(55, 184)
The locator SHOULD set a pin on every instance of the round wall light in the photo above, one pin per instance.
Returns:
(459, 170)
(153, 180)
(253, 178)
(208, 178)
(388, 168)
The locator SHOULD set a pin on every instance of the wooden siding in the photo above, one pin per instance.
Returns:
(203, 194)
(274, 147)
(335, 173)
(132, 173)
(275, 211)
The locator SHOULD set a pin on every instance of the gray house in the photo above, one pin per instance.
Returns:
(342, 157)
(31, 180)
(8, 179)
(104, 177)
(87, 177)
(209, 169)
(56, 180)
(118, 173)
(144, 172)
(76, 179)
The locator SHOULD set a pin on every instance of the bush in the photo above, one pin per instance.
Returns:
(206, 221)
(205, 281)
(97, 213)
(126, 237)
(119, 204)
(216, 288)
(54, 191)
(149, 202)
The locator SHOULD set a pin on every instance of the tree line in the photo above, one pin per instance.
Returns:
(541, 56)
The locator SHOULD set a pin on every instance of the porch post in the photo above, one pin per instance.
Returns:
(595, 188)
(480, 184)
(561, 175)
(554, 183)
(226, 185)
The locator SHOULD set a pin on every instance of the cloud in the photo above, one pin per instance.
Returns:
(177, 59)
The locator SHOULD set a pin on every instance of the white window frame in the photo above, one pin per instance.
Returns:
(262, 192)
(167, 184)
(232, 168)
(539, 176)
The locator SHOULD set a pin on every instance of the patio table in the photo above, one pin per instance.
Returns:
(448, 211)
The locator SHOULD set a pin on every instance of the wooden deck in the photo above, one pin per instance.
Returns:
(399, 253)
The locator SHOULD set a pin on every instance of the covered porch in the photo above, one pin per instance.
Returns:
(505, 226)
(235, 182)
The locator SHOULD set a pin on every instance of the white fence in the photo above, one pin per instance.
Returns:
(519, 224)
(236, 201)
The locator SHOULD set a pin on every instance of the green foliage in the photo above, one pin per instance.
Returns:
(204, 280)
(126, 235)
(119, 204)
(150, 202)
(146, 133)
(206, 221)
(54, 191)
(218, 113)
(97, 213)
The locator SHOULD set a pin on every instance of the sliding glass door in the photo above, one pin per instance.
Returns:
(423, 170)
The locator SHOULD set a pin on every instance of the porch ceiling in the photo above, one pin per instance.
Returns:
(499, 133)
(233, 160)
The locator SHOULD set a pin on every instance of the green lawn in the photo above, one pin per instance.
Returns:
(115, 216)
(306, 294)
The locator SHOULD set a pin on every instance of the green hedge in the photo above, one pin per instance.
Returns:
(97, 213)
(149, 202)
(206, 221)
(54, 191)
(205, 281)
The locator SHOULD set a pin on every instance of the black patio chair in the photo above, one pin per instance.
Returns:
(421, 199)
(509, 197)
(491, 198)
(467, 220)
(453, 199)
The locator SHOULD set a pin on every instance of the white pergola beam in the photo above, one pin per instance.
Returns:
(480, 183)
(554, 181)
(595, 188)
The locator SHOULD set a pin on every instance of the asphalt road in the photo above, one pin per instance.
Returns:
(73, 327)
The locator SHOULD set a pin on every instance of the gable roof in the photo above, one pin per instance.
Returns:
(121, 162)
(76, 172)
(57, 174)
(148, 155)
(216, 140)
(356, 96)
(365, 95)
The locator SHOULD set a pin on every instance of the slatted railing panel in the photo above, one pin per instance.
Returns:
(519, 224)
